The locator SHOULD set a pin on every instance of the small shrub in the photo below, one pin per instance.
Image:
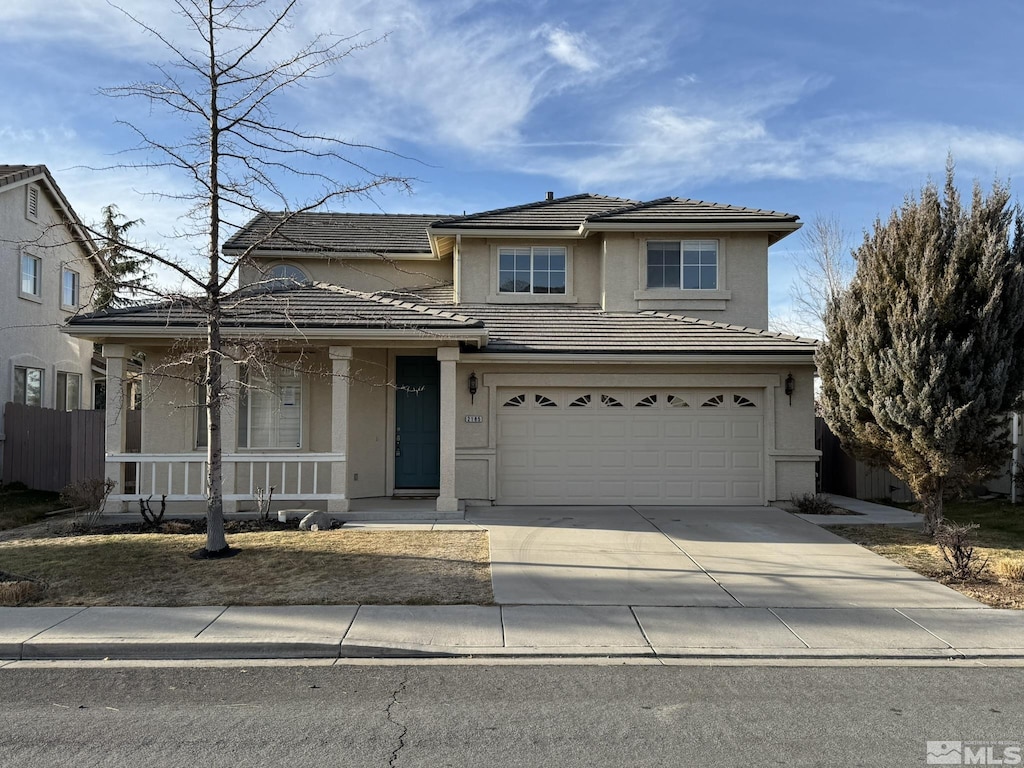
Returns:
(18, 592)
(1010, 570)
(956, 544)
(263, 499)
(813, 504)
(88, 497)
(149, 517)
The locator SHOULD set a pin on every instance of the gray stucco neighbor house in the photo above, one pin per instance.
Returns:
(584, 350)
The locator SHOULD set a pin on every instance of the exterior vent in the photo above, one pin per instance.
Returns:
(32, 202)
(550, 196)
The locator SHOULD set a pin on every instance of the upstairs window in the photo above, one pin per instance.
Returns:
(531, 270)
(69, 289)
(685, 264)
(285, 276)
(31, 276)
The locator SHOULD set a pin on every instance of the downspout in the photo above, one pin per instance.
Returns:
(457, 271)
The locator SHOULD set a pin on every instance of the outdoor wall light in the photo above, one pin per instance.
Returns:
(790, 386)
(474, 385)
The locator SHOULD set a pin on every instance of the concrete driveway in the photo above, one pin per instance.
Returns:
(690, 556)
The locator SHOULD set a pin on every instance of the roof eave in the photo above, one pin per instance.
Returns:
(779, 228)
(787, 357)
(163, 333)
(550, 232)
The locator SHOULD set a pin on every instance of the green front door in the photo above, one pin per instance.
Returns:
(417, 422)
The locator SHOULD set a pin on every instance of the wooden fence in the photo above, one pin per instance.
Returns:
(840, 473)
(47, 449)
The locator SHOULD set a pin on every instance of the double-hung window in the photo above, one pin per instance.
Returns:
(538, 270)
(31, 276)
(69, 288)
(69, 391)
(685, 264)
(270, 409)
(28, 385)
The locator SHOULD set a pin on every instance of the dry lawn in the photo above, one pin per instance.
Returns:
(272, 568)
(914, 550)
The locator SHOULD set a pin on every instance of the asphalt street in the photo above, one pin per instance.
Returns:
(515, 715)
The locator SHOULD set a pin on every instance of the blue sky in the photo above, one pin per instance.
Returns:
(832, 108)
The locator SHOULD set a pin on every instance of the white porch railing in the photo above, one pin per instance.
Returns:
(182, 476)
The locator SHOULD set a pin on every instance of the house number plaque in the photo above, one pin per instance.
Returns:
(474, 419)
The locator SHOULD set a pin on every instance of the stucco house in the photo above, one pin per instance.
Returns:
(584, 350)
(48, 263)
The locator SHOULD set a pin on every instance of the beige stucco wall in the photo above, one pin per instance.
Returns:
(29, 329)
(742, 297)
(364, 274)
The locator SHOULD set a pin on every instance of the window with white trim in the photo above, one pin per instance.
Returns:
(69, 391)
(537, 270)
(270, 410)
(69, 288)
(28, 385)
(31, 276)
(683, 264)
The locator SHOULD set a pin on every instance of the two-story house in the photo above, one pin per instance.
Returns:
(584, 350)
(48, 264)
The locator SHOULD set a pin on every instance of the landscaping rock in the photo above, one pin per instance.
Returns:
(320, 519)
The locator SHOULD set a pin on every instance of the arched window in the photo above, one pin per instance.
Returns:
(284, 275)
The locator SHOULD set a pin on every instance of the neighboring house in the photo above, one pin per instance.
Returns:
(583, 350)
(47, 265)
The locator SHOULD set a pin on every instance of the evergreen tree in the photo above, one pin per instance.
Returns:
(925, 350)
(127, 272)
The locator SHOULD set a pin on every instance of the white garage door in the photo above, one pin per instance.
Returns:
(617, 446)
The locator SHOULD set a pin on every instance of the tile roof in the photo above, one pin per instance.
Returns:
(9, 174)
(572, 328)
(560, 213)
(674, 209)
(302, 306)
(511, 328)
(328, 233)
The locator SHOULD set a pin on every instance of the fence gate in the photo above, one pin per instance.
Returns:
(47, 449)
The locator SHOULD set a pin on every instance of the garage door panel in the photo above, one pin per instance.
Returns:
(678, 430)
(746, 460)
(712, 460)
(642, 459)
(649, 450)
(746, 430)
(711, 429)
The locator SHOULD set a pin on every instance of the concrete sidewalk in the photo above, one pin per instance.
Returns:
(509, 631)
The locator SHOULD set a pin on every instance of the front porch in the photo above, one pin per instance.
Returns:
(340, 409)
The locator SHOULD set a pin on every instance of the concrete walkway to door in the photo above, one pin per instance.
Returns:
(690, 556)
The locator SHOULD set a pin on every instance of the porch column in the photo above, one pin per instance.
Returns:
(116, 356)
(229, 429)
(449, 358)
(341, 368)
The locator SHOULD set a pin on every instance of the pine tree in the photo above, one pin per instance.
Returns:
(126, 274)
(925, 350)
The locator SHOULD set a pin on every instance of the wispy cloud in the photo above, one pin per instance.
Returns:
(569, 48)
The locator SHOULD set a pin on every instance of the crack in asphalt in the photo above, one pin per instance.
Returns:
(404, 729)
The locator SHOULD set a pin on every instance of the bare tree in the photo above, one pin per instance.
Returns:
(221, 86)
(822, 273)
